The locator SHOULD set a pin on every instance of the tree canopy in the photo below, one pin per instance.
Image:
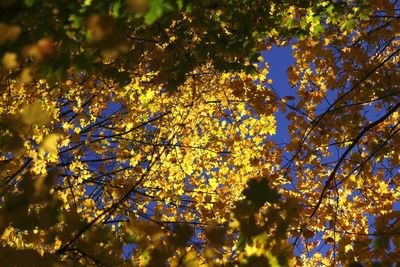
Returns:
(45, 39)
(140, 133)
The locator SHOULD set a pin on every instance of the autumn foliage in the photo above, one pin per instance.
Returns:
(141, 133)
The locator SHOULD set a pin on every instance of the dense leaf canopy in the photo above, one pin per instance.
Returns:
(44, 38)
(140, 133)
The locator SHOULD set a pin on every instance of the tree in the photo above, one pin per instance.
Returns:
(157, 148)
(344, 163)
(167, 158)
(45, 39)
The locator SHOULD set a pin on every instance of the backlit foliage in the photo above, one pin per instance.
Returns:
(140, 133)
(127, 156)
(344, 164)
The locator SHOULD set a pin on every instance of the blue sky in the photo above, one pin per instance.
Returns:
(279, 59)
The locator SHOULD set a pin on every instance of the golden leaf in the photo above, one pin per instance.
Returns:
(10, 60)
(49, 144)
(34, 114)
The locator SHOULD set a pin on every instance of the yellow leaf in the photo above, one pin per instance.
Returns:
(348, 247)
(191, 259)
(49, 144)
(234, 224)
(26, 75)
(9, 32)
(10, 60)
(34, 114)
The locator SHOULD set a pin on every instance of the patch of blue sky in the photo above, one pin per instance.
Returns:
(279, 59)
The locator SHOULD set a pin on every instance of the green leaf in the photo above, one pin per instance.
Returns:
(29, 3)
(115, 9)
(241, 243)
(87, 2)
(348, 25)
(76, 21)
(157, 9)
(330, 10)
(180, 3)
